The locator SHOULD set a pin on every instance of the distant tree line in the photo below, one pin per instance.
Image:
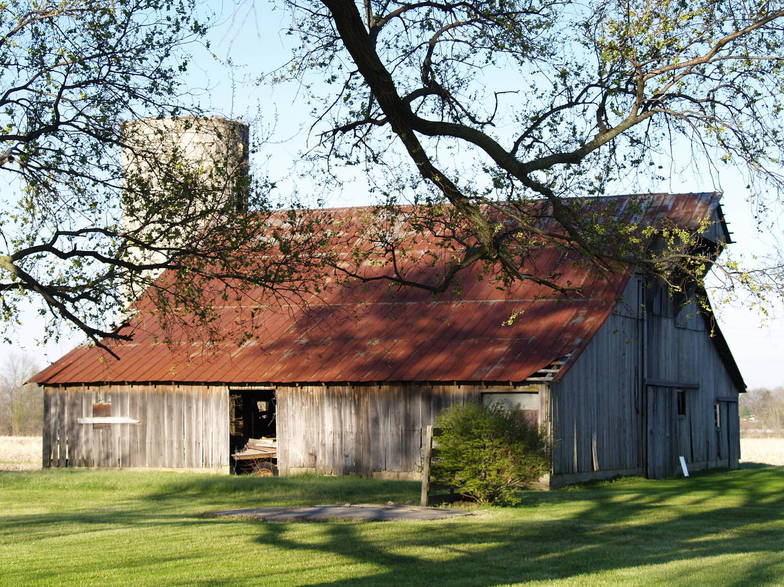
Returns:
(762, 411)
(21, 403)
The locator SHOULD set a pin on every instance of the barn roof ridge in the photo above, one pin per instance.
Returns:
(575, 298)
(642, 195)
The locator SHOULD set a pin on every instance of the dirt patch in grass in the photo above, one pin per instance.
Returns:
(362, 512)
(769, 451)
(20, 453)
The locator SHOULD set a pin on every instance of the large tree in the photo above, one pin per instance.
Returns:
(489, 105)
(78, 232)
(487, 116)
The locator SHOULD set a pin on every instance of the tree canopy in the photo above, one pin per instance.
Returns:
(21, 403)
(481, 103)
(468, 111)
(70, 72)
(92, 211)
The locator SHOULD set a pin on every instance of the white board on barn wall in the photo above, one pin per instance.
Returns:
(107, 420)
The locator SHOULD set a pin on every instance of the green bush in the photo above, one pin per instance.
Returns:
(488, 453)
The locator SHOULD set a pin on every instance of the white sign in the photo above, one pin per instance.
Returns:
(683, 467)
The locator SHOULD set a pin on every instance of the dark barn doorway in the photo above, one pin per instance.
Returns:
(252, 418)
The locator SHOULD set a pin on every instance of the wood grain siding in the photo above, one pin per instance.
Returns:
(371, 430)
(680, 349)
(360, 429)
(180, 426)
(595, 406)
(615, 410)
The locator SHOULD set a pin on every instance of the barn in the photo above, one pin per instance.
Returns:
(625, 378)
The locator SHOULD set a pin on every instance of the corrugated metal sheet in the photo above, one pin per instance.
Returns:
(372, 332)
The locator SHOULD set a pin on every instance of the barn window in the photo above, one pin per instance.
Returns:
(681, 401)
(717, 414)
(102, 410)
(660, 303)
(682, 318)
(526, 403)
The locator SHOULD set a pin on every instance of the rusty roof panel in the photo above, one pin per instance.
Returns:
(374, 332)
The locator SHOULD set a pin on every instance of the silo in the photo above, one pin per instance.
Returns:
(182, 176)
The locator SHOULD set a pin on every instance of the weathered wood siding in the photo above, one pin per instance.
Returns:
(180, 426)
(373, 430)
(595, 406)
(360, 429)
(680, 350)
(615, 410)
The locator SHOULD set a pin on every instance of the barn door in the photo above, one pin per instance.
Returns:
(684, 408)
(733, 434)
(252, 414)
(662, 432)
(725, 414)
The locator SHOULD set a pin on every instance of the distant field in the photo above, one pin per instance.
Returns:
(762, 450)
(20, 453)
(24, 452)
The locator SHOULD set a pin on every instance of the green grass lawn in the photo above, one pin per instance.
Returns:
(93, 527)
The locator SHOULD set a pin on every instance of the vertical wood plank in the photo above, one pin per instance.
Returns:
(60, 427)
(46, 440)
(427, 451)
(223, 436)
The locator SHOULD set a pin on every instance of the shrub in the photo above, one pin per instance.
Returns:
(488, 453)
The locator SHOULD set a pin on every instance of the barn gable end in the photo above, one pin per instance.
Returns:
(645, 391)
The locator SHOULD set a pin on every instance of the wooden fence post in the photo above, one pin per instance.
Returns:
(427, 451)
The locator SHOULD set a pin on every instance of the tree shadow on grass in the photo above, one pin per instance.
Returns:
(174, 496)
(246, 491)
(610, 528)
(753, 465)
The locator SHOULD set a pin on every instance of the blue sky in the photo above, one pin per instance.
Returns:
(249, 35)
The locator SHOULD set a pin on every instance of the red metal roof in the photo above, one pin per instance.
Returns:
(374, 332)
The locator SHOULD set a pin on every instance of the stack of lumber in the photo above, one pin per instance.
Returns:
(258, 448)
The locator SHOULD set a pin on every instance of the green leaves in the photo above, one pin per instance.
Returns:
(489, 453)
(70, 72)
(479, 103)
